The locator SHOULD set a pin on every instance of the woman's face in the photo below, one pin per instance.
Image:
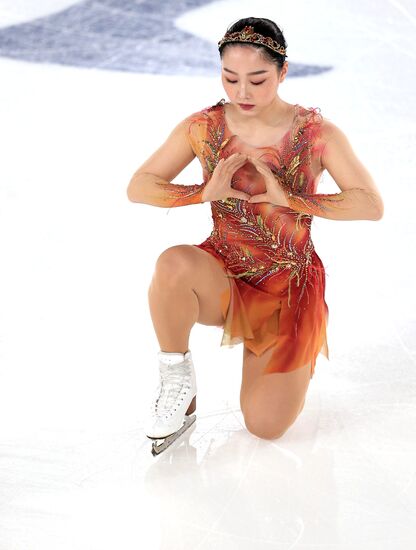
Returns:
(248, 78)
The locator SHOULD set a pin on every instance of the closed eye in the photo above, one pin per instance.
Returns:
(255, 83)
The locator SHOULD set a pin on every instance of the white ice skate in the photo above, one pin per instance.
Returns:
(174, 400)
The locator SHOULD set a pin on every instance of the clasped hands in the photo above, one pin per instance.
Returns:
(219, 186)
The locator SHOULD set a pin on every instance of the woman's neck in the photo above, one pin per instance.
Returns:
(274, 115)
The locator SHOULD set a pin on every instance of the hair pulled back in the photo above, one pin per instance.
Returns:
(267, 28)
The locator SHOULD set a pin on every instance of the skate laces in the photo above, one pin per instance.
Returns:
(173, 379)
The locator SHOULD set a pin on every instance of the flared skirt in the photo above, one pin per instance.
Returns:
(292, 321)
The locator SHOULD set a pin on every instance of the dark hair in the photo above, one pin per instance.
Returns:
(266, 27)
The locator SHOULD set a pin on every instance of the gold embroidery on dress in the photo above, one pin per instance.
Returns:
(253, 249)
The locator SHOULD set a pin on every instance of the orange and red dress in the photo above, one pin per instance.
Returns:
(277, 292)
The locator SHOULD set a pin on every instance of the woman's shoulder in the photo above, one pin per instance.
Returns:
(197, 126)
(312, 117)
(206, 113)
(328, 129)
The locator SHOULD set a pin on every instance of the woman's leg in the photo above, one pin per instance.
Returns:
(270, 403)
(186, 288)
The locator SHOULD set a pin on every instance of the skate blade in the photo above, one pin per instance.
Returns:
(168, 440)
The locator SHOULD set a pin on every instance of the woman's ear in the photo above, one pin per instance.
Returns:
(283, 71)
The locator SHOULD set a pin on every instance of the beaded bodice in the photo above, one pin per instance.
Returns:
(259, 241)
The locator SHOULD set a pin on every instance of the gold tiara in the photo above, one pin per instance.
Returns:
(248, 35)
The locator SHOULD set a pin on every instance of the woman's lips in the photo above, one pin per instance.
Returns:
(246, 106)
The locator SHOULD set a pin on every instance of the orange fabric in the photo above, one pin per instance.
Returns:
(277, 293)
(259, 320)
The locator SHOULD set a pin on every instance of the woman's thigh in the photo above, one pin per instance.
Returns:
(271, 402)
(188, 264)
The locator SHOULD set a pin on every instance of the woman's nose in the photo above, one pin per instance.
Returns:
(242, 91)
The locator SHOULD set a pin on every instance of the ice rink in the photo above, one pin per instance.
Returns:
(79, 85)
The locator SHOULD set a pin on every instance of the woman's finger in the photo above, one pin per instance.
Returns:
(239, 195)
(237, 157)
(237, 160)
(257, 163)
(257, 160)
(259, 198)
(260, 164)
(220, 164)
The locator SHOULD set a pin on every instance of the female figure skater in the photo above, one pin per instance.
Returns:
(257, 275)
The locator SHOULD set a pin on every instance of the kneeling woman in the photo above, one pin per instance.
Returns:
(257, 274)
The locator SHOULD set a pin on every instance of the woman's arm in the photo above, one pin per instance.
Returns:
(150, 184)
(359, 198)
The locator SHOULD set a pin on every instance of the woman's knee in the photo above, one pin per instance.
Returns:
(173, 265)
(187, 265)
(271, 403)
(264, 429)
(266, 423)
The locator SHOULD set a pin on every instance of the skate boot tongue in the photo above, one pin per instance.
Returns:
(172, 375)
(175, 373)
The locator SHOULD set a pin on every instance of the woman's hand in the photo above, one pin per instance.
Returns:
(219, 186)
(274, 191)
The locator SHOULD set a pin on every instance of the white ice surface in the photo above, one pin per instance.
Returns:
(77, 346)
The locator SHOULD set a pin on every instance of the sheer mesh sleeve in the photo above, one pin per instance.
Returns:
(351, 204)
(171, 195)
